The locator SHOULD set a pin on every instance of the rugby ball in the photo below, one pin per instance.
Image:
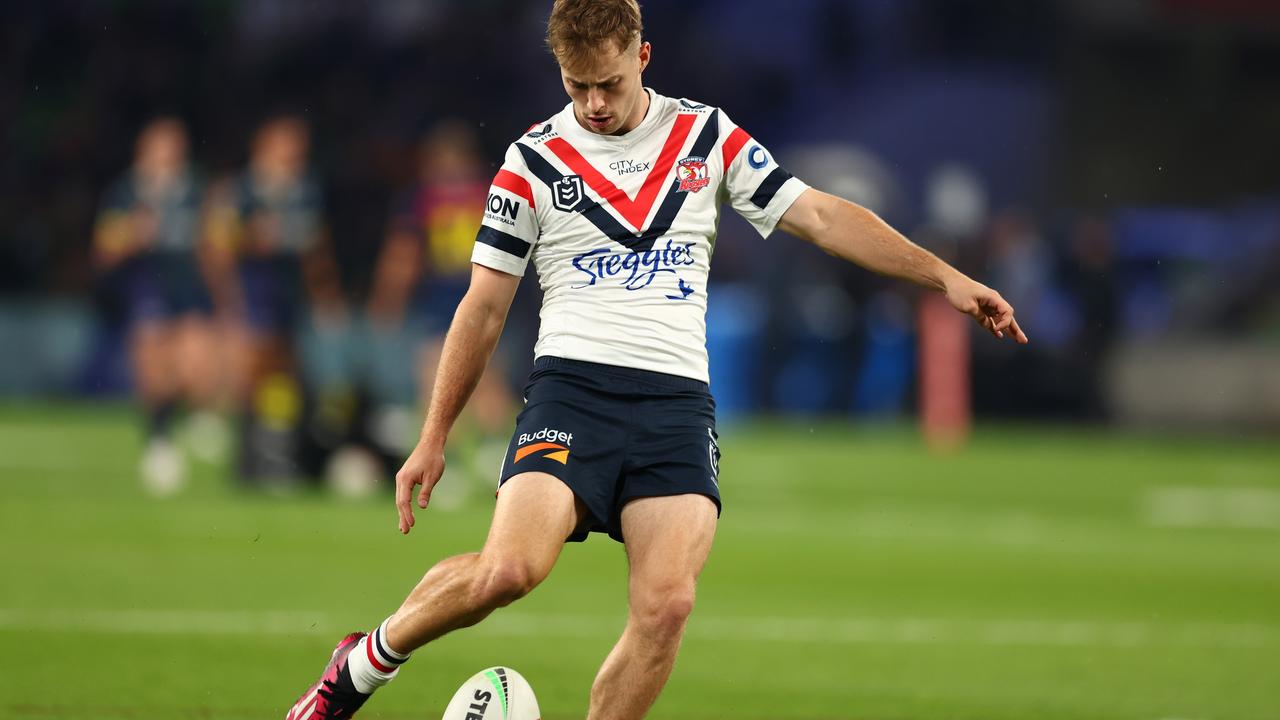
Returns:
(498, 693)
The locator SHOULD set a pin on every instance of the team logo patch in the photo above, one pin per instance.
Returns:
(693, 174)
(568, 193)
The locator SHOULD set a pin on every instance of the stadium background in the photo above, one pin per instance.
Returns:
(1107, 545)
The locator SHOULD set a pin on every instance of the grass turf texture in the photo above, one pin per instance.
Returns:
(854, 576)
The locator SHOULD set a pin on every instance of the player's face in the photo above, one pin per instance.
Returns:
(607, 91)
(280, 152)
(162, 150)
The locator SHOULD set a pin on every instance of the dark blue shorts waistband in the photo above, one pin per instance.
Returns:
(663, 380)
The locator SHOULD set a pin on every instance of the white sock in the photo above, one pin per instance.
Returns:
(372, 663)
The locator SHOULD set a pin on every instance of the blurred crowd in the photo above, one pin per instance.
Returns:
(270, 204)
(218, 285)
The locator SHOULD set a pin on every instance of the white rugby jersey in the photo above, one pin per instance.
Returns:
(621, 229)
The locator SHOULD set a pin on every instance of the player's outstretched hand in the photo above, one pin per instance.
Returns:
(985, 306)
(424, 467)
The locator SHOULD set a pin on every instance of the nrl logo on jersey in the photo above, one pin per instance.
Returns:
(567, 193)
(693, 174)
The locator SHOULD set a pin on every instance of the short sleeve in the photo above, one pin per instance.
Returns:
(510, 226)
(757, 187)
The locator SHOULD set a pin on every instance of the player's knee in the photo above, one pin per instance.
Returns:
(503, 582)
(663, 613)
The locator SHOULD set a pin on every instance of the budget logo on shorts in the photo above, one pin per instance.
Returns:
(693, 174)
(547, 442)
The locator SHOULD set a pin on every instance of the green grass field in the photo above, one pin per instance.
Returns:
(1042, 573)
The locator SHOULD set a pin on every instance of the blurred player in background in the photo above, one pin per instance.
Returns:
(616, 201)
(425, 267)
(146, 240)
(273, 269)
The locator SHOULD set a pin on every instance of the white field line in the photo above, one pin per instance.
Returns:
(845, 631)
(1212, 507)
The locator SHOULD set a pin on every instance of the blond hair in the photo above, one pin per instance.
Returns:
(578, 29)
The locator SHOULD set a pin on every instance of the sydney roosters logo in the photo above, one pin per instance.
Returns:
(693, 174)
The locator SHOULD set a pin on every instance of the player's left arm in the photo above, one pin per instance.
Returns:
(854, 233)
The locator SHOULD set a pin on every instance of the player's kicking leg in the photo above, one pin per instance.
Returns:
(667, 541)
(535, 513)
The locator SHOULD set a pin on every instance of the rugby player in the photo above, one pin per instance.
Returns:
(424, 268)
(272, 268)
(145, 242)
(615, 199)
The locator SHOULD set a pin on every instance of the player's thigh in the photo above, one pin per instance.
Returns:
(668, 539)
(150, 344)
(534, 515)
(196, 342)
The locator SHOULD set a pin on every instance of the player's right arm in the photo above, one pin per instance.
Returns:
(472, 337)
(503, 247)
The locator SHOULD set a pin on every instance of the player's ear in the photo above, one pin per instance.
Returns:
(645, 50)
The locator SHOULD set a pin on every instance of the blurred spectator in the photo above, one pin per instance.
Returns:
(273, 269)
(1089, 276)
(424, 268)
(145, 244)
(1043, 106)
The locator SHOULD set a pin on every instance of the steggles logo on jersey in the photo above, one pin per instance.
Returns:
(567, 193)
(693, 174)
(685, 291)
(637, 269)
(627, 167)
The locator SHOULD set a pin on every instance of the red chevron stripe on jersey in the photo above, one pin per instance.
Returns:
(733, 145)
(514, 184)
(633, 211)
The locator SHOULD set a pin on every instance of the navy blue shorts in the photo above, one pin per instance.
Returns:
(164, 286)
(614, 434)
(274, 297)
